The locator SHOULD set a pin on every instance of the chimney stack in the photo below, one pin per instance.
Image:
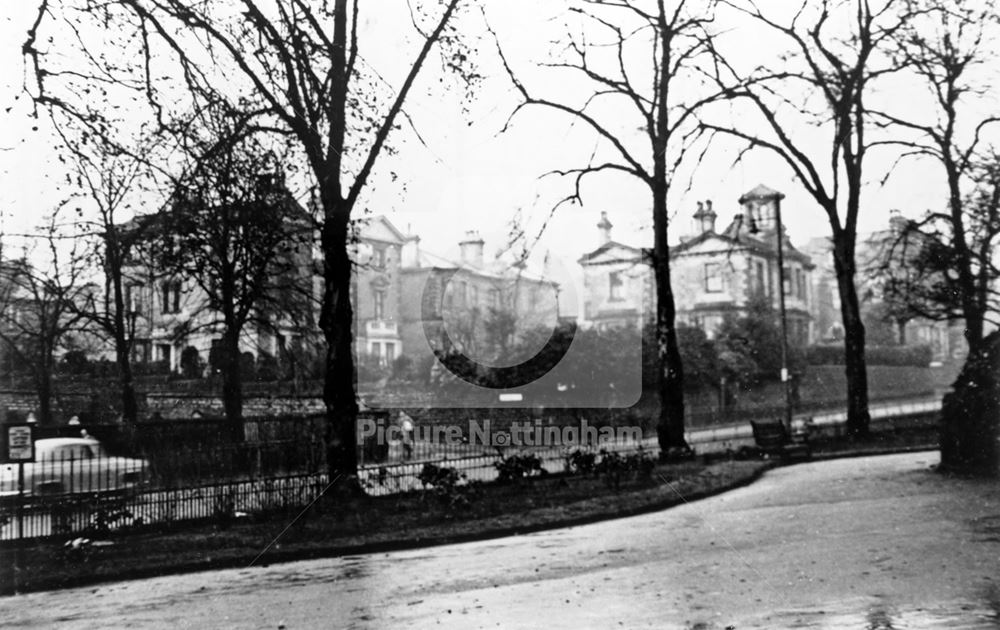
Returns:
(472, 249)
(705, 217)
(604, 226)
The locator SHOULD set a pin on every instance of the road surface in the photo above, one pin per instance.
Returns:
(880, 542)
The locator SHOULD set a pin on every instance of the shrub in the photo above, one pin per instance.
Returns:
(76, 362)
(192, 365)
(916, 355)
(517, 467)
(402, 368)
(614, 467)
(267, 368)
(581, 462)
(447, 484)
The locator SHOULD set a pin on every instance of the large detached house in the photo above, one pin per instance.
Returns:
(713, 274)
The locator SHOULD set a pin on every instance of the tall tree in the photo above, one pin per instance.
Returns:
(920, 263)
(233, 229)
(300, 63)
(944, 264)
(647, 63)
(40, 306)
(109, 179)
(838, 72)
(949, 48)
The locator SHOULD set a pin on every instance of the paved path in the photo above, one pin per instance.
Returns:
(874, 543)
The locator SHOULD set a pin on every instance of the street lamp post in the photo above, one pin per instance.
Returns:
(752, 203)
(785, 380)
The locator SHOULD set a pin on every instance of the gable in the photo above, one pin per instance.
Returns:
(381, 229)
(611, 252)
(708, 243)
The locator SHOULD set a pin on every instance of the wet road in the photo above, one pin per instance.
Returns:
(873, 543)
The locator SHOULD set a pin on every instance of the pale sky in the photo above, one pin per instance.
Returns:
(469, 177)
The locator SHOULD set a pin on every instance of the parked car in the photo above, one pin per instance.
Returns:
(73, 465)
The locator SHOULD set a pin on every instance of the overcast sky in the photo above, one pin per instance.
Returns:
(468, 176)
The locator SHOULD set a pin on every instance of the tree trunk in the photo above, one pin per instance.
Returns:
(337, 324)
(130, 407)
(44, 387)
(232, 382)
(670, 371)
(858, 418)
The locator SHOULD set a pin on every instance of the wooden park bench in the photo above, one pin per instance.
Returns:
(773, 439)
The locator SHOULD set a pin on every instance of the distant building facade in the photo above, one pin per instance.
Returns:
(713, 274)
(474, 305)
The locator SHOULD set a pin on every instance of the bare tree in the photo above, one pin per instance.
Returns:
(839, 71)
(662, 100)
(39, 307)
(948, 48)
(919, 265)
(300, 63)
(233, 228)
(110, 179)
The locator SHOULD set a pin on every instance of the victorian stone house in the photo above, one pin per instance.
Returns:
(713, 273)
(473, 304)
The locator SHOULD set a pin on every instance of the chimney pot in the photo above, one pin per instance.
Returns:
(604, 227)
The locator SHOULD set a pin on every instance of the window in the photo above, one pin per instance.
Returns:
(495, 298)
(761, 280)
(473, 296)
(802, 284)
(616, 286)
(379, 304)
(379, 257)
(163, 352)
(713, 278)
(171, 297)
(141, 350)
(133, 298)
(786, 281)
(390, 352)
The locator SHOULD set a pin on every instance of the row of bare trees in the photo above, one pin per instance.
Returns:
(660, 85)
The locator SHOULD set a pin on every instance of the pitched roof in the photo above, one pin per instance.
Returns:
(605, 247)
(497, 269)
(760, 191)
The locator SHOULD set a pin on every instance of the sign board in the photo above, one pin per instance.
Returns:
(19, 443)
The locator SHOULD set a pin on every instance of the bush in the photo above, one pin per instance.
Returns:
(402, 368)
(267, 368)
(447, 484)
(614, 467)
(581, 462)
(76, 362)
(517, 467)
(192, 365)
(916, 355)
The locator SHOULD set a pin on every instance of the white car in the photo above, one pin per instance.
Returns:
(73, 465)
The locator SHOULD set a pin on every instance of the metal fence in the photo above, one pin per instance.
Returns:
(76, 487)
(168, 475)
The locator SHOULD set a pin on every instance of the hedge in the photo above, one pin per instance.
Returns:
(918, 355)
